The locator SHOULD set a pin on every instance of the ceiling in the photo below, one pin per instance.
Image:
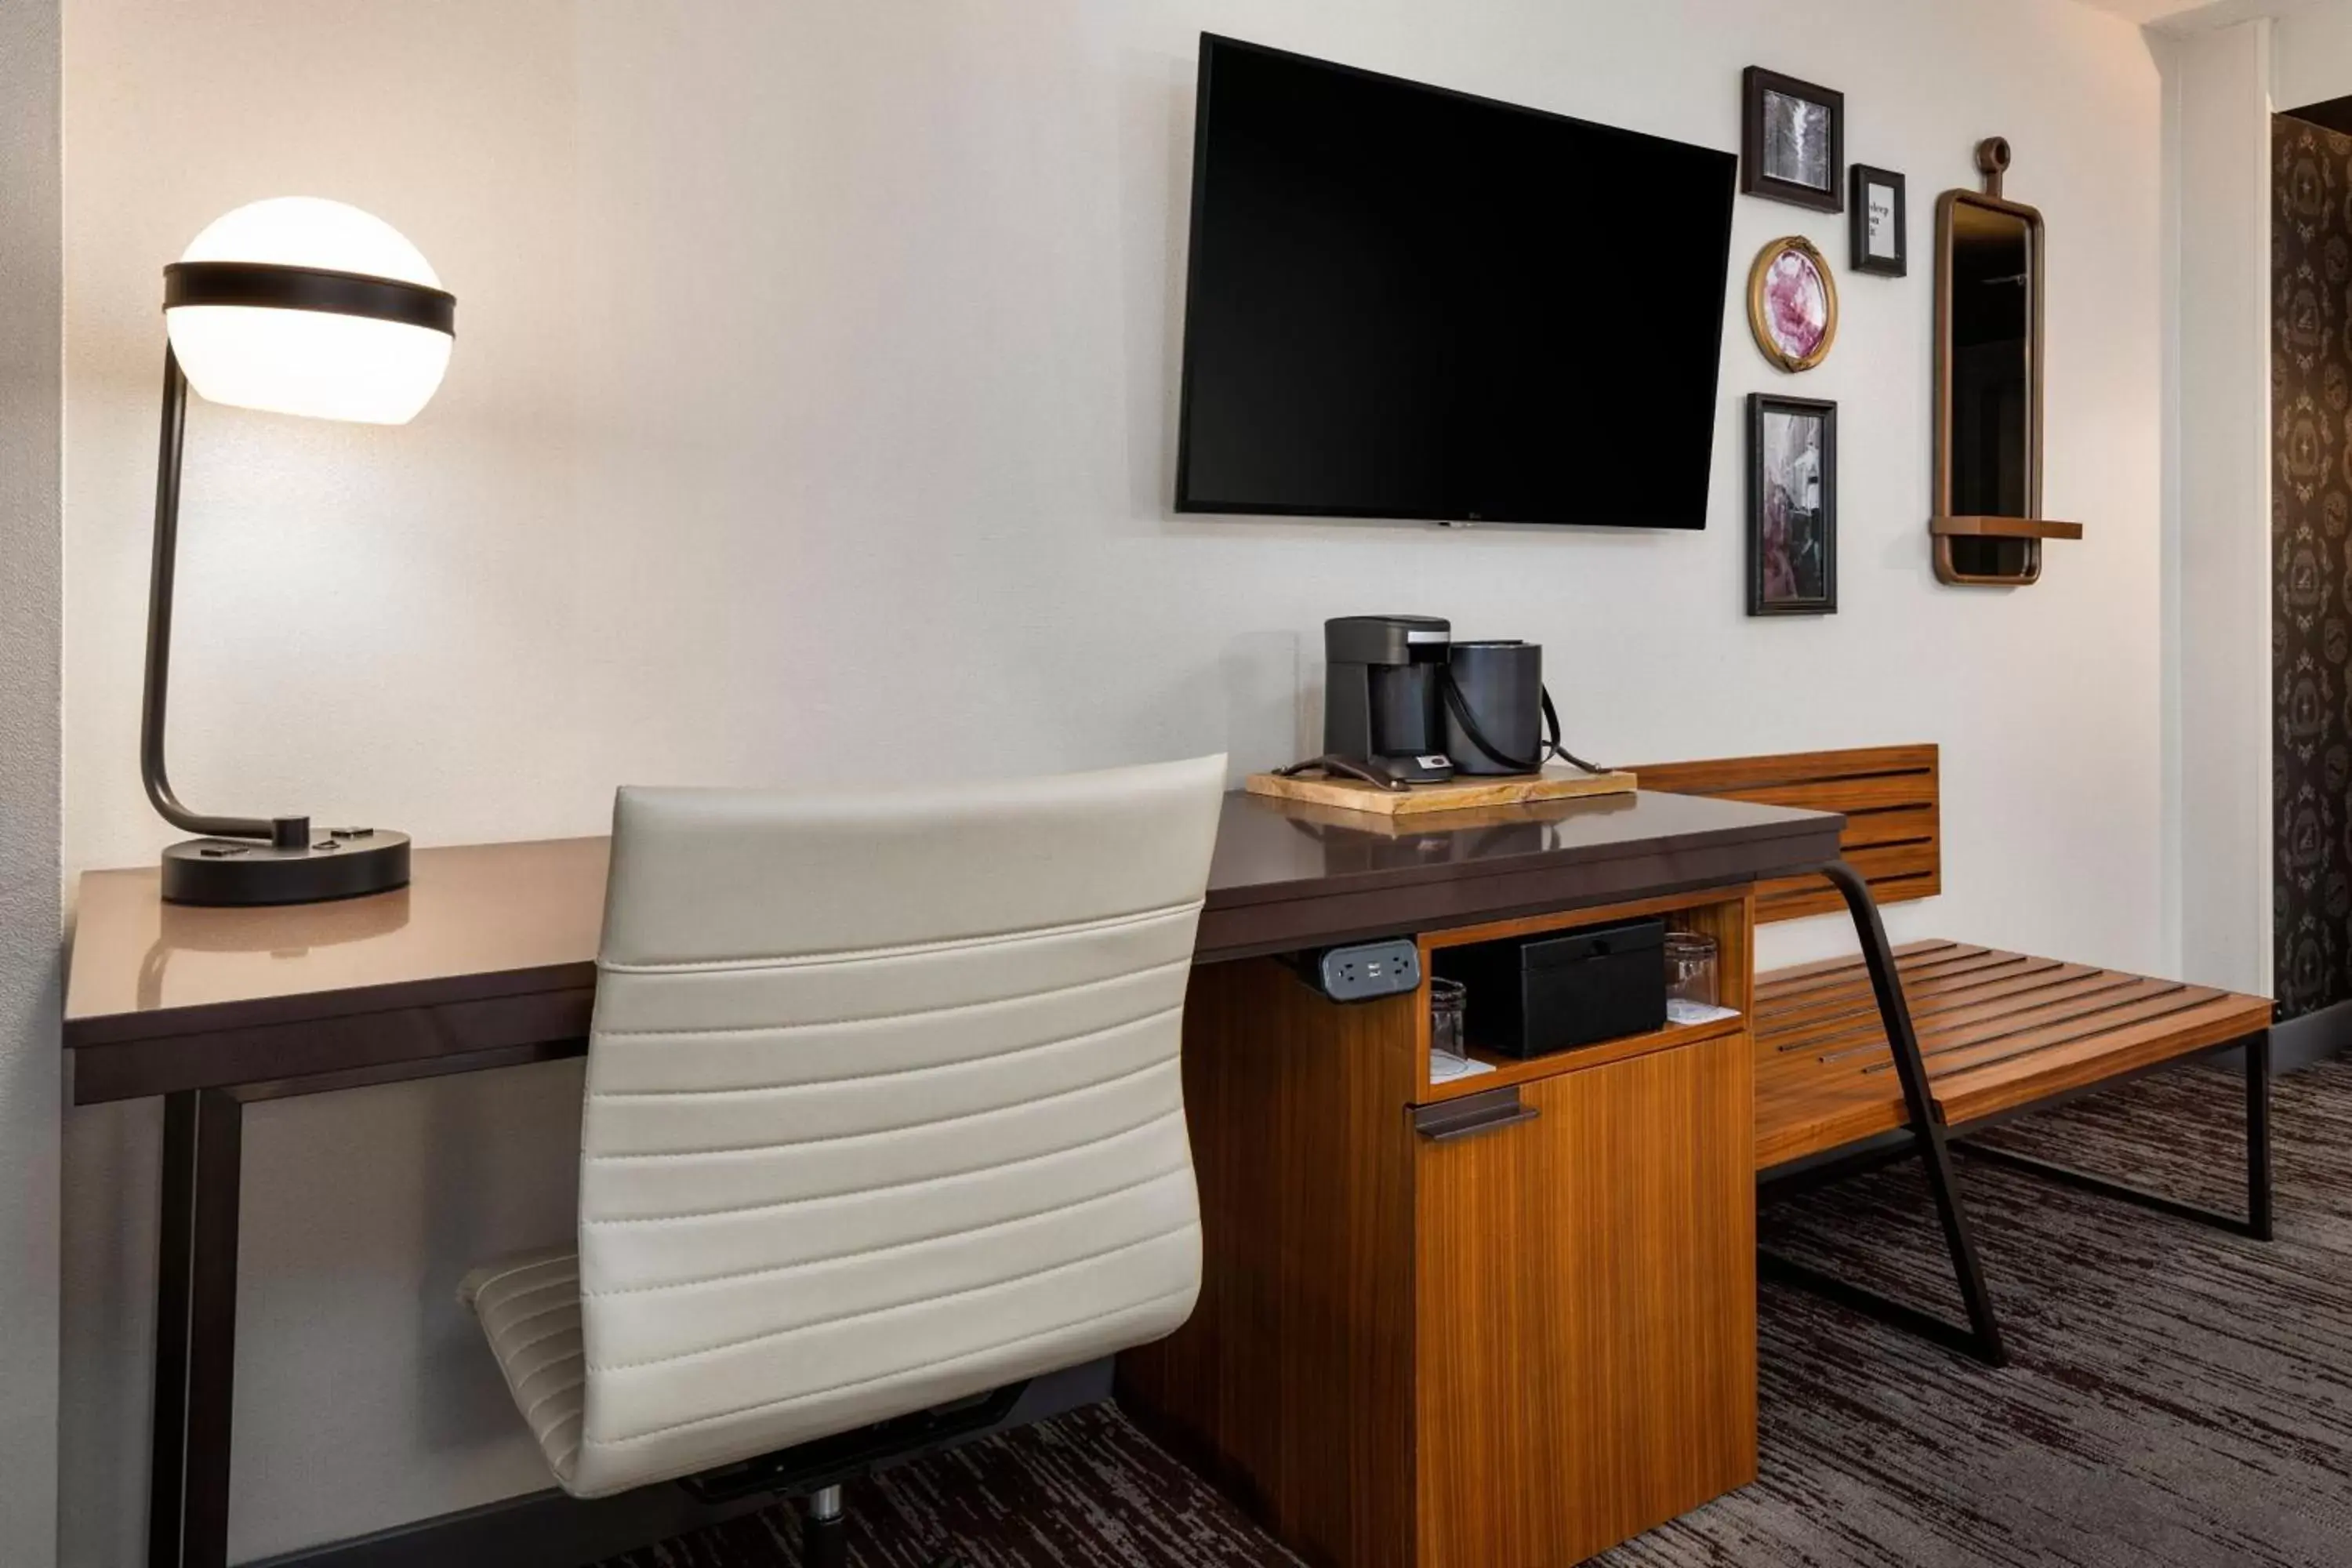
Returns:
(2196, 15)
(2144, 12)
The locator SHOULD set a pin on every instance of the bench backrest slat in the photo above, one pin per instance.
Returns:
(1894, 815)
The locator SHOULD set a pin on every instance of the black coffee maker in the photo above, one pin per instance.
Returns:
(1382, 705)
(1403, 703)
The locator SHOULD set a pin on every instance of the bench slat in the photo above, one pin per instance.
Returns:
(1997, 1030)
(1891, 798)
(2002, 1035)
(1895, 872)
(1853, 971)
(1812, 1117)
(2017, 1039)
(1788, 901)
(1733, 775)
(1946, 1034)
(1998, 1087)
(2015, 990)
(1795, 1017)
(1903, 956)
(1874, 794)
(1905, 824)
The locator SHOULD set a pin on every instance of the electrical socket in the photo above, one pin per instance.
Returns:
(1366, 970)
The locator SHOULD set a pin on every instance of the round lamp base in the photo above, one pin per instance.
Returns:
(346, 863)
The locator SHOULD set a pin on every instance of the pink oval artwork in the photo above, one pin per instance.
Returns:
(1792, 303)
(1796, 305)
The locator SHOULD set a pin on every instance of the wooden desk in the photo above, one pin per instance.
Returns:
(487, 960)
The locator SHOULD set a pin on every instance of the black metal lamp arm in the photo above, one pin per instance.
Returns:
(285, 832)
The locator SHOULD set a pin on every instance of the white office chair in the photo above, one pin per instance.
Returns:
(883, 1116)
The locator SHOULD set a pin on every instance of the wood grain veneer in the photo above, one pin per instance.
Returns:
(1505, 1350)
(1587, 1295)
(1293, 1381)
(1466, 792)
(1729, 917)
(1998, 1031)
(1891, 797)
(2003, 528)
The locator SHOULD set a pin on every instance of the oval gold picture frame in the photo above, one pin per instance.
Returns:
(1761, 324)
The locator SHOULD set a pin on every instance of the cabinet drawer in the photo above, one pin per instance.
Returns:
(1585, 1305)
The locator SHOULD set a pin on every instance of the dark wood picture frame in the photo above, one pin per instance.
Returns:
(1858, 223)
(1759, 404)
(1754, 178)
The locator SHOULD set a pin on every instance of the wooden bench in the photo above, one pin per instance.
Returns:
(1886, 1056)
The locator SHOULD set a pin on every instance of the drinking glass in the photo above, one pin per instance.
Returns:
(1446, 1051)
(1690, 968)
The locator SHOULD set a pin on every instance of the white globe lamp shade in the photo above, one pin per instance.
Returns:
(298, 305)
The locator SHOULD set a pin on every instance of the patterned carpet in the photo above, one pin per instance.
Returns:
(2180, 1398)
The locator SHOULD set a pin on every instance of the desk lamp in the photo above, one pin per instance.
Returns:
(294, 306)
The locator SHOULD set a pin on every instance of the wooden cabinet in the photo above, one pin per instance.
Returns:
(1508, 1349)
(1585, 1306)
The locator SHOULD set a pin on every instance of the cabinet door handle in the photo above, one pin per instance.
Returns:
(1472, 1114)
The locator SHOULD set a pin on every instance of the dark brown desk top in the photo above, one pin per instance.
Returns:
(488, 956)
(1287, 875)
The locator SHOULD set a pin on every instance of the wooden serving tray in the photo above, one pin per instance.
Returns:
(1458, 795)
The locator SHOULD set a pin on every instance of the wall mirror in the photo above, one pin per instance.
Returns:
(1987, 523)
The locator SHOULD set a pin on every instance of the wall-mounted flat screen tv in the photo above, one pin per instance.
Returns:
(1406, 302)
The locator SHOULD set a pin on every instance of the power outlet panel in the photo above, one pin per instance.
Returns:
(1366, 970)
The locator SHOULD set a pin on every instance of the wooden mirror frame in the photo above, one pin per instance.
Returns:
(2030, 531)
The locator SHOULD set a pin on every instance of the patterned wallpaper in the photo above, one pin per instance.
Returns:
(2311, 558)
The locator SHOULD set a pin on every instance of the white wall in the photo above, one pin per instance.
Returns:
(810, 420)
(2218, 527)
(2311, 54)
(31, 1069)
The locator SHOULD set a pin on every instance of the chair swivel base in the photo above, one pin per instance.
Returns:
(825, 1535)
(347, 863)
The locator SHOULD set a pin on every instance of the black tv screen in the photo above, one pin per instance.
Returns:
(1407, 302)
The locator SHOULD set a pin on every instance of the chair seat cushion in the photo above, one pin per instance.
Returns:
(530, 1307)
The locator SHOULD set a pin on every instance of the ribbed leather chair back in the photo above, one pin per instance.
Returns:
(883, 1104)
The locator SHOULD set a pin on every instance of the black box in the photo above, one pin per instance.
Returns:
(1533, 996)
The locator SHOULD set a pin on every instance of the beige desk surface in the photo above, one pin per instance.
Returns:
(529, 910)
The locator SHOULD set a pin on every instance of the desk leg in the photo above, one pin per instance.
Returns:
(196, 1332)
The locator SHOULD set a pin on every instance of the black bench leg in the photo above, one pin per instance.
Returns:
(2258, 1137)
(2255, 1222)
(1981, 1339)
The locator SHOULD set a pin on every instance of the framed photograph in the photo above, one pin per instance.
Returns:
(1792, 506)
(1791, 140)
(1880, 223)
(1793, 305)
